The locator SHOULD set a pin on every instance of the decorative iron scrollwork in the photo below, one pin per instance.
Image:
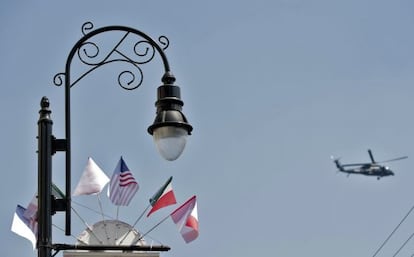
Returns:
(93, 55)
(86, 27)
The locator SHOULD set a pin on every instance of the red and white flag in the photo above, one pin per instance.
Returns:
(92, 181)
(163, 197)
(123, 186)
(186, 219)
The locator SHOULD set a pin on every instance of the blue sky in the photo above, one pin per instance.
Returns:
(272, 89)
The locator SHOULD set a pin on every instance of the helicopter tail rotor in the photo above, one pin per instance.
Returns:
(335, 159)
(337, 163)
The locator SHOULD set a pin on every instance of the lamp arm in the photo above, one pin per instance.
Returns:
(89, 54)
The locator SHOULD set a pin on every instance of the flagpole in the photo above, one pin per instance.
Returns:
(135, 223)
(117, 215)
(117, 212)
(146, 233)
(102, 213)
(153, 201)
(77, 238)
(92, 210)
(87, 225)
(140, 216)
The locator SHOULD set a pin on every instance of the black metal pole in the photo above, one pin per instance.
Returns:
(44, 240)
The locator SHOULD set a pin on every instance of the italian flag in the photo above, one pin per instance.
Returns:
(186, 219)
(163, 197)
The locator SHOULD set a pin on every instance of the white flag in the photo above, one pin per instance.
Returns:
(92, 181)
(24, 227)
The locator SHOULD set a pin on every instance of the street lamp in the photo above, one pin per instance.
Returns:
(170, 128)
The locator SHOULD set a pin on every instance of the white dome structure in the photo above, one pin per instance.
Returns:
(110, 232)
(111, 238)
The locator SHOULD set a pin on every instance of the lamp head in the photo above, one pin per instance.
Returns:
(170, 128)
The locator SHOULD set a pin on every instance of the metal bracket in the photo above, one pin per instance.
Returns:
(58, 205)
(59, 145)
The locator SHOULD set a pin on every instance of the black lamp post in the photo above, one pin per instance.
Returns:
(170, 127)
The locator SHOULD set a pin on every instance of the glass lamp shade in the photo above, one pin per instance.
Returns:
(170, 141)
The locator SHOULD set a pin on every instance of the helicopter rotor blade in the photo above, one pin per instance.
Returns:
(354, 164)
(371, 156)
(395, 159)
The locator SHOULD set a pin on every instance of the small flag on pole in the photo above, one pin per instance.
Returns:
(56, 192)
(92, 181)
(30, 213)
(186, 219)
(163, 197)
(24, 227)
(123, 186)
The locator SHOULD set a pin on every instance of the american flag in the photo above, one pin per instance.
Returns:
(123, 186)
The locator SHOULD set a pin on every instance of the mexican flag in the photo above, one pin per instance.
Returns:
(162, 198)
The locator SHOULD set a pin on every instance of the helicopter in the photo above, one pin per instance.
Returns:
(372, 168)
